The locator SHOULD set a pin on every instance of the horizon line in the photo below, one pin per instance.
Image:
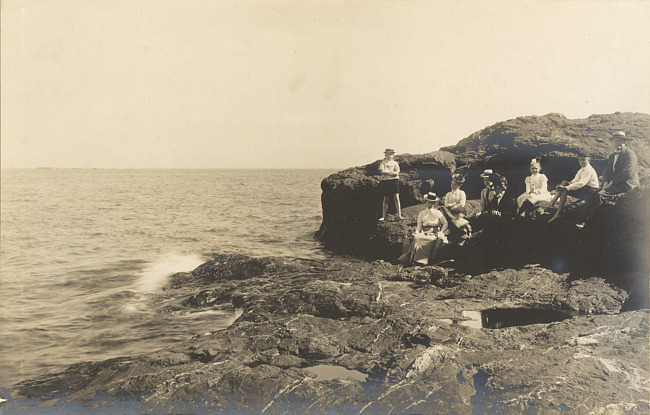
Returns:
(172, 168)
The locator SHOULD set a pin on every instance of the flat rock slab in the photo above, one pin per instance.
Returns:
(391, 345)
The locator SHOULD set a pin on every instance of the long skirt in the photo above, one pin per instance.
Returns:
(459, 227)
(420, 249)
(533, 198)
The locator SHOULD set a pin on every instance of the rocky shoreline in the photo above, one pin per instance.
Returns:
(419, 345)
(564, 329)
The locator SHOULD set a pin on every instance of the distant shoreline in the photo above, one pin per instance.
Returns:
(174, 168)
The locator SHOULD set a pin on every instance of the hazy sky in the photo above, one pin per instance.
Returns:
(301, 84)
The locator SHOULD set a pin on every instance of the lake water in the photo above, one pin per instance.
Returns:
(85, 252)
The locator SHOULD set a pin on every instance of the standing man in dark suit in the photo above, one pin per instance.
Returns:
(620, 176)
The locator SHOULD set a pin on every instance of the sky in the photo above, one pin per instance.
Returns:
(300, 84)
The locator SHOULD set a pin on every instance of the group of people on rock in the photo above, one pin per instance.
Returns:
(442, 218)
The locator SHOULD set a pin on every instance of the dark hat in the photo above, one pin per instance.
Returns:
(389, 150)
(619, 135)
(496, 178)
(431, 197)
(458, 178)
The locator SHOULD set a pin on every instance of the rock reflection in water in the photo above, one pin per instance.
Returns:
(509, 317)
(329, 372)
(475, 319)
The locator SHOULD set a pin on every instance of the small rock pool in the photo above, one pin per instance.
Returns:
(497, 318)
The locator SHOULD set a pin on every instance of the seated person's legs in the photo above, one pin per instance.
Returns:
(561, 194)
(526, 207)
(436, 246)
(558, 193)
(592, 202)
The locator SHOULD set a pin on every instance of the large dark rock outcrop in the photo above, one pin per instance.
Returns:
(351, 204)
(508, 147)
(394, 346)
(615, 242)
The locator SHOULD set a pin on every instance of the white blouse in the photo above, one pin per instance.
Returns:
(429, 217)
(536, 184)
(454, 198)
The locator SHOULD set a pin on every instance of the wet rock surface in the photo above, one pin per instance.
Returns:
(410, 333)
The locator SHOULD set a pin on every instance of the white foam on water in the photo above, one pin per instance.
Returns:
(153, 277)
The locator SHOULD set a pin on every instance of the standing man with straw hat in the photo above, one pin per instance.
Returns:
(389, 184)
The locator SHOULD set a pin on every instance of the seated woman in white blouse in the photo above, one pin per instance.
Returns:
(429, 234)
(456, 199)
(454, 210)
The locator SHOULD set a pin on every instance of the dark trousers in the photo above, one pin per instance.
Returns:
(597, 198)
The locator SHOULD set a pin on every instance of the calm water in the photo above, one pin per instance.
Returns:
(85, 253)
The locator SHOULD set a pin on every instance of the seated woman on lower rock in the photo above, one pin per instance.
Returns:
(429, 234)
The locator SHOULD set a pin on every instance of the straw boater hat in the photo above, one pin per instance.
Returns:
(389, 150)
(431, 197)
(620, 135)
(487, 173)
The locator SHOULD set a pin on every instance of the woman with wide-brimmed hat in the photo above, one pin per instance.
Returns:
(429, 234)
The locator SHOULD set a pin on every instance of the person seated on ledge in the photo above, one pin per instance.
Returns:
(584, 184)
(429, 234)
(501, 206)
(454, 210)
(536, 191)
(498, 230)
(389, 184)
(487, 192)
(620, 176)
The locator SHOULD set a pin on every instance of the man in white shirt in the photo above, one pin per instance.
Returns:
(389, 184)
(585, 183)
